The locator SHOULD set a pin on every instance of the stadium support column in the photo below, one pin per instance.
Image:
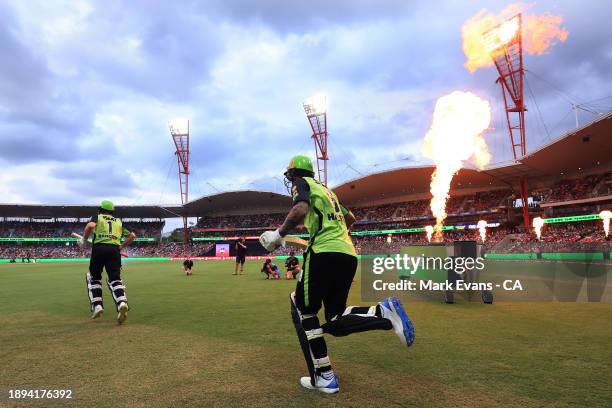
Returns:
(525, 201)
(506, 50)
(316, 112)
(179, 130)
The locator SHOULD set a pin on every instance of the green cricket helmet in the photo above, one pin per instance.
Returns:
(107, 205)
(299, 166)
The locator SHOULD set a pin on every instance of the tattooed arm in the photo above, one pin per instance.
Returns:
(294, 218)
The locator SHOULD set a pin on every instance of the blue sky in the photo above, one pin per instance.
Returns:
(87, 88)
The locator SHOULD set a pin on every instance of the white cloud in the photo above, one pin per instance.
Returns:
(106, 77)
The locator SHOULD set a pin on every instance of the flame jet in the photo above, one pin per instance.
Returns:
(538, 223)
(605, 216)
(429, 231)
(455, 136)
(482, 229)
(539, 32)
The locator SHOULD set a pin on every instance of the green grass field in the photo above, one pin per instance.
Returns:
(220, 340)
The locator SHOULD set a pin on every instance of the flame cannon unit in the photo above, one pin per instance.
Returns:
(466, 272)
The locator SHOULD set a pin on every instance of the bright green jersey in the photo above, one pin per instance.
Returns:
(325, 219)
(109, 230)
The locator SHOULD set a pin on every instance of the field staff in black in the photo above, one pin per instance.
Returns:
(187, 265)
(106, 248)
(241, 250)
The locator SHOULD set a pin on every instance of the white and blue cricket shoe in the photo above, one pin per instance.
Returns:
(393, 310)
(123, 311)
(327, 382)
(98, 310)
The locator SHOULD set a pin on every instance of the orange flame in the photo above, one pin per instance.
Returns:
(538, 223)
(455, 136)
(605, 216)
(482, 228)
(429, 231)
(485, 33)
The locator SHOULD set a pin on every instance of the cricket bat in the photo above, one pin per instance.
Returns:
(78, 236)
(296, 242)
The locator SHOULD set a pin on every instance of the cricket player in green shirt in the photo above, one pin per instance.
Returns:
(106, 248)
(329, 265)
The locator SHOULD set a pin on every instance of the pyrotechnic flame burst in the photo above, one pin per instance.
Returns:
(538, 223)
(539, 33)
(429, 231)
(605, 216)
(455, 136)
(482, 228)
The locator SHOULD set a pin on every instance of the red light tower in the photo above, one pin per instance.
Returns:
(316, 112)
(179, 130)
(505, 44)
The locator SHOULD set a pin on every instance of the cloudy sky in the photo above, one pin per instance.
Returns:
(87, 88)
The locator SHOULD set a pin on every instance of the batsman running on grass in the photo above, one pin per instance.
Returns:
(106, 248)
(330, 263)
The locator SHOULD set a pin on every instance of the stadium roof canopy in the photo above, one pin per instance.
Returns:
(407, 181)
(587, 147)
(238, 202)
(85, 211)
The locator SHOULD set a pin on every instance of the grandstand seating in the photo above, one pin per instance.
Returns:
(240, 221)
(59, 229)
(64, 229)
(418, 210)
(569, 237)
(462, 209)
(51, 250)
(580, 188)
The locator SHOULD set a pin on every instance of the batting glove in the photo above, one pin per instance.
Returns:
(271, 240)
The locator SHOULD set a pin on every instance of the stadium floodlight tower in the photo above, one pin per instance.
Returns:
(179, 130)
(316, 112)
(505, 45)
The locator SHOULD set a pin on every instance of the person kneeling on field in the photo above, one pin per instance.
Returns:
(270, 269)
(292, 264)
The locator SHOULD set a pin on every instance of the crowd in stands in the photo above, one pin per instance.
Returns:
(566, 237)
(257, 221)
(406, 212)
(465, 209)
(486, 201)
(27, 229)
(579, 188)
(392, 212)
(42, 251)
(413, 210)
(146, 229)
(382, 243)
(63, 229)
(418, 210)
(171, 250)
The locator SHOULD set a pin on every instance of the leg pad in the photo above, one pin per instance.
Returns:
(303, 339)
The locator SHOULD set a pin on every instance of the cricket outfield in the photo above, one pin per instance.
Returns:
(214, 339)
